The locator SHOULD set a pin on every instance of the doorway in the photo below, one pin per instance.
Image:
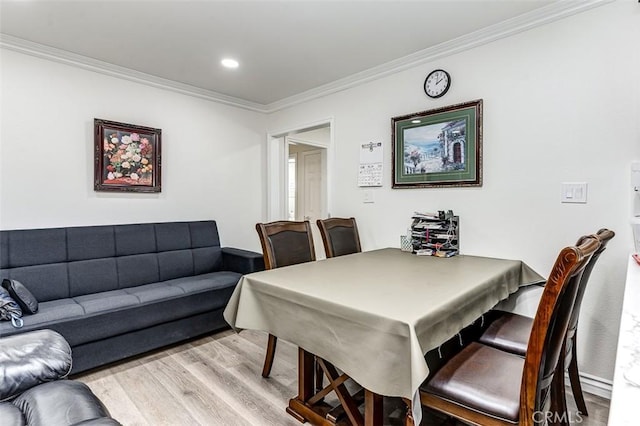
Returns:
(297, 176)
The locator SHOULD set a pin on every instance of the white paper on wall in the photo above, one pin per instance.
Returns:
(370, 169)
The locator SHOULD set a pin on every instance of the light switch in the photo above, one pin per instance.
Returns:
(574, 192)
(368, 197)
(635, 176)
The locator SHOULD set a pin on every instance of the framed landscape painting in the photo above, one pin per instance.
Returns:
(438, 148)
(127, 157)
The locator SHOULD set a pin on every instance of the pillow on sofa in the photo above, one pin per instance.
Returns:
(20, 294)
(9, 309)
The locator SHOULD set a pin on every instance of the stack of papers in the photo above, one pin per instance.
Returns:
(425, 215)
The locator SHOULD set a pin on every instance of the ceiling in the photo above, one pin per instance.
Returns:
(286, 49)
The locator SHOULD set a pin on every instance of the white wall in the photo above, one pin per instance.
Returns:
(211, 154)
(561, 104)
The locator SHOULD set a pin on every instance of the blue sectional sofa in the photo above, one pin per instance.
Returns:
(120, 290)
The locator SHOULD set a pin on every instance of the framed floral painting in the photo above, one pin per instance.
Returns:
(127, 157)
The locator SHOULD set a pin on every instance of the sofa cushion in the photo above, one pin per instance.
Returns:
(90, 242)
(92, 276)
(172, 236)
(48, 313)
(106, 301)
(175, 264)
(207, 259)
(212, 281)
(135, 239)
(154, 292)
(45, 282)
(37, 247)
(137, 270)
(204, 234)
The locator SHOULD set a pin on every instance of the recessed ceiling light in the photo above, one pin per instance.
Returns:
(229, 63)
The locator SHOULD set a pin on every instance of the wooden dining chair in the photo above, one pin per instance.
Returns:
(283, 243)
(339, 236)
(510, 332)
(484, 385)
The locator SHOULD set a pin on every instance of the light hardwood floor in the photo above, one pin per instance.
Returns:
(215, 380)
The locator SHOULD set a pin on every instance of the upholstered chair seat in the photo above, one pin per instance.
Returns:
(471, 379)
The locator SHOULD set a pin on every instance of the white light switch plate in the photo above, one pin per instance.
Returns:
(574, 192)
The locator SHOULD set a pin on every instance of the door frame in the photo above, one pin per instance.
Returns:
(277, 171)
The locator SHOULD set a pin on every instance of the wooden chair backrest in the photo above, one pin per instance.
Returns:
(339, 236)
(286, 243)
(604, 235)
(550, 326)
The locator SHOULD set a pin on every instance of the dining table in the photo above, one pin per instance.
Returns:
(373, 316)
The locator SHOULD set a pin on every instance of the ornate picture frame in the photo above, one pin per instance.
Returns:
(127, 157)
(438, 148)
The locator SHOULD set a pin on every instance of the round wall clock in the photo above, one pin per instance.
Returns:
(437, 83)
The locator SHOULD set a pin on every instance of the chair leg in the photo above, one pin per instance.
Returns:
(271, 352)
(558, 395)
(574, 379)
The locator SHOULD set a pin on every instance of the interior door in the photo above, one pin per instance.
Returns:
(309, 191)
(310, 184)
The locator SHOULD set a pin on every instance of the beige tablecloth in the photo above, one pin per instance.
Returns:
(375, 314)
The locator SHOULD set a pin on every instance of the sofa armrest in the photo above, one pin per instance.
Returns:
(241, 261)
(31, 358)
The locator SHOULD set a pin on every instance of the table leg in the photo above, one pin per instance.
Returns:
(305, 374)
(303, 406)
(372, 408)
(305, 385)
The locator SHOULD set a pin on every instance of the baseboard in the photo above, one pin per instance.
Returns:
(594, 385)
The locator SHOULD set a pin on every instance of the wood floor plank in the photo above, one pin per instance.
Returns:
(117, 399)
(192, 394)
(150, 397)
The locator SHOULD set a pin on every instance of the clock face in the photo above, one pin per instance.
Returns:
(437, 83)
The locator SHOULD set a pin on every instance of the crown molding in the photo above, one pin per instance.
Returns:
(68, 58)
(538, 17)
(527, 21)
